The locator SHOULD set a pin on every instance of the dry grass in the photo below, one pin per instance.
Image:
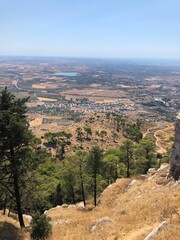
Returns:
(162, 138)
(36, 122)
(161, 132)
(45, 85)
(58, 124)
(98, 95)
(10, 230)
(47, 99)
(31, 104)
(135, 212)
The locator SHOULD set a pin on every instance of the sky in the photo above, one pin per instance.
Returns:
(90, 28)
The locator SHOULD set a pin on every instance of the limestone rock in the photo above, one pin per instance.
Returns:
(46, 211)
(163, 167)
(58, 206)
(100, 221)
(132, 183)
(27, 217)
(72, 206)
(151, 171)
(64, 205)
(80, 206)
(155, 231)
(175, 154)
(60, 221)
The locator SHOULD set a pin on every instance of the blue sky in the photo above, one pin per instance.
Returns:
(90, 28)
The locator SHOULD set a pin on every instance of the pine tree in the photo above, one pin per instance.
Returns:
(127, 149)
(41, 227)
(94, 165)
(15, 137)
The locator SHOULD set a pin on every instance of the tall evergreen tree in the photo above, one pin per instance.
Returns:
(94, 164)
(80, 162)
(127, 149)
(15, 138)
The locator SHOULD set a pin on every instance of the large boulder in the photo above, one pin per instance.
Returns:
(175, 154)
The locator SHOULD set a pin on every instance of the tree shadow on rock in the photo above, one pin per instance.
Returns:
(9, 232)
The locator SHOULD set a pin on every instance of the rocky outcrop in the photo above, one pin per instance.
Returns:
(175, 154)
(155, 231)
(99, 222)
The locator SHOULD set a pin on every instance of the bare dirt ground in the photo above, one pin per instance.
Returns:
(10, 230)
(47, 99)
(45, 85)
(94, 92)
(36, 122)
(162, 136)
(161, 131)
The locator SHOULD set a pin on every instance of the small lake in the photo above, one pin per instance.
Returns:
(66, 74)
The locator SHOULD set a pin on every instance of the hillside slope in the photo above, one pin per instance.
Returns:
(10, 230)
(128, 210)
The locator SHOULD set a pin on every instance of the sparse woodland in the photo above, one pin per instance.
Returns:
(32, 181)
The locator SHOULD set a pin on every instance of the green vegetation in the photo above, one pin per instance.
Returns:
(32, 181)
(172, 138)
(17, 155)
(86, 174)
(88, 132)
(94, 166)
(41, 227)
(133, 132)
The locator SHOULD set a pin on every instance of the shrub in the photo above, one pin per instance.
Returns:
(41, 227)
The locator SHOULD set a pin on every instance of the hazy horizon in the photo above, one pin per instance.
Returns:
(125, 59)
(96, 29)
